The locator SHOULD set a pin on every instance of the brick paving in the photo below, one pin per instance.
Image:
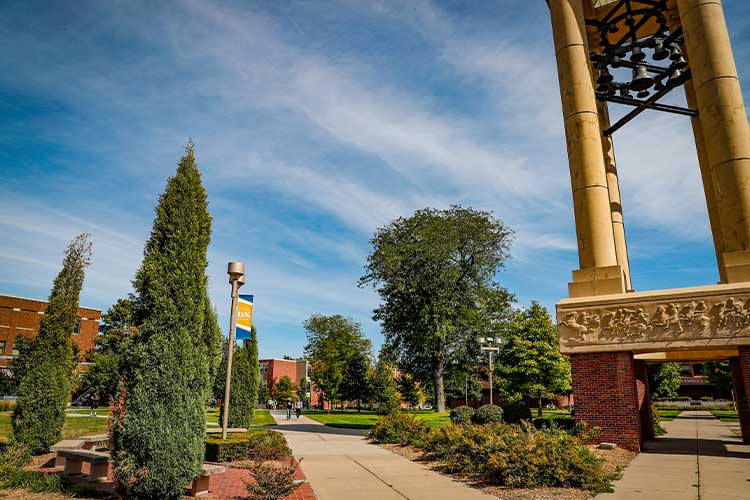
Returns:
(227, 486)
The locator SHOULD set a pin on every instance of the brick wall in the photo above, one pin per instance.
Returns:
(741, 381)
(21, 317)
(644, 399)
(606, 396)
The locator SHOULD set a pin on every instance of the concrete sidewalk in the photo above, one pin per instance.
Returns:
(700, 457)
(340, 463)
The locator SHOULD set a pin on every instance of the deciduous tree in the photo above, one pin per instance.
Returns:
(530, 363)
(667, 380)
(431, 270)
(285, 389)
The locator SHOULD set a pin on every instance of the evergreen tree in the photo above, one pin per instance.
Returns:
(158, 430)
(214, 342)
(263, 394)
(530, 362)
(220, 376)
(719, 376)
(384, 393)
(45, 383)
(243, 393)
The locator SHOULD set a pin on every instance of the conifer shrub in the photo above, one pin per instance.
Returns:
(45, 379)
(488, 413)
(158, 430)
(518, 456)
(243, 394)
(271, 481)
(462, 414)
(399, 428)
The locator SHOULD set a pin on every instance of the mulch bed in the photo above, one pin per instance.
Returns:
(614, 460)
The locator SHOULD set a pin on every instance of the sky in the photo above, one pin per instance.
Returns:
(315, 123)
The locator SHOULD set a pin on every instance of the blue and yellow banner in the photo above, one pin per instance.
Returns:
(244, 317)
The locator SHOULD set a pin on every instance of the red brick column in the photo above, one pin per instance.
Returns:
(741, 381)
(644, 400)
(605, 394)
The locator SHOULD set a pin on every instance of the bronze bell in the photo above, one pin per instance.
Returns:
(637, 55)
(605, 77)
(674, 51)
(675, 74)
(624, 92)
(616, 62)
(641, 79)
(642, 94)
(660, 51)
(680, 63)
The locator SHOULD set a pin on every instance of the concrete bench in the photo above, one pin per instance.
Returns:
(65, 444)
(200, 483)
(90, 442)
(74, 463)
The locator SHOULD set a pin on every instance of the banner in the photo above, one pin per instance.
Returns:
(244, 317)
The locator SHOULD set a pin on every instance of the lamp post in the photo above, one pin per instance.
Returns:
(490, 345)
(236, 272)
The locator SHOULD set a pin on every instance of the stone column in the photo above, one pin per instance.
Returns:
(606, 396)
(644, 400)
(741, 382)
(599, 273)
(724, 125)
(615, 203)
(709, 188)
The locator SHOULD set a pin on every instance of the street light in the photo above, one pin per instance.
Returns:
(490, 345)
(236, 272)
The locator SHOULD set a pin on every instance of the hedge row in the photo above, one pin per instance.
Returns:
(262, 444)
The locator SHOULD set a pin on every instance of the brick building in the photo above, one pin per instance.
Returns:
(21, 317)
(271, 370)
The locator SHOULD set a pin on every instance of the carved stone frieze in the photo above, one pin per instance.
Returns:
(670, 320)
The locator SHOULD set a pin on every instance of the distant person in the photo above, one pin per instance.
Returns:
(94, 401)
(298, 408)
(212, 404)
(289, 409)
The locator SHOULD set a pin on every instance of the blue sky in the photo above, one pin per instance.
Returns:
(315, 123)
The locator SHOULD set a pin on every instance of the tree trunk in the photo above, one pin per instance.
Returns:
(439, 388)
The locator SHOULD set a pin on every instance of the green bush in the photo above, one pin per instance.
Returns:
(656, 421)
(519, 456)
(158, 436)
(562, 422)
(262, 445)
(514, 413)
(36, 482)
(399, 428)
(488, 413)
(15, 454)
(45, 382)
(462, 414)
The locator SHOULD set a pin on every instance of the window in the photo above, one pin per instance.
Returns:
(77, 329)
(2, 347)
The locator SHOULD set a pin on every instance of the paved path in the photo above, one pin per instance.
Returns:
(699, 458)
(339, 464)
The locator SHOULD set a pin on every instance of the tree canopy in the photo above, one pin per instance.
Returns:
(529, 362)
(431, 271)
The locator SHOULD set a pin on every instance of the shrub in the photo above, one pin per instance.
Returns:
(562, 422)
(462, 414)
(519, 456)
(15, 454)
(707, 398)
(244, 387)
(513, 414)
(158, 436)
(271, 481)
(656, 421)
(36, 482)
(399, 428)
(45, 383)
(263, 445)
(488, 413)
(7, 405)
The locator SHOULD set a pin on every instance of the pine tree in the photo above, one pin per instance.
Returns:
(384, 392)
(214, 342)
(44, 388)
(254, 380)
(158, 433)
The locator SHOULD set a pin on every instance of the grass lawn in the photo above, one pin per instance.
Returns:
(262, 417)
(726, 415)
(667, 414)
(74, 427)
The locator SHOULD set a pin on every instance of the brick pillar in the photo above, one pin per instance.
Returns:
(741, 382)
(606, 396)
(644, 400)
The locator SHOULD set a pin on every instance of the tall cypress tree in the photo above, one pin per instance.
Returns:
(39, 414)
(243, 394)
(158, 432)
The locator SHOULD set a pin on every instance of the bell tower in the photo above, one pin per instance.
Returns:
(632, 53)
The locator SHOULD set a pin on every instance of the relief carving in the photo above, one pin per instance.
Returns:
(649, 322)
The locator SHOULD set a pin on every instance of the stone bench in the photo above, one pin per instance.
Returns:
(74, 463)
(89, 442)
(200, 483)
